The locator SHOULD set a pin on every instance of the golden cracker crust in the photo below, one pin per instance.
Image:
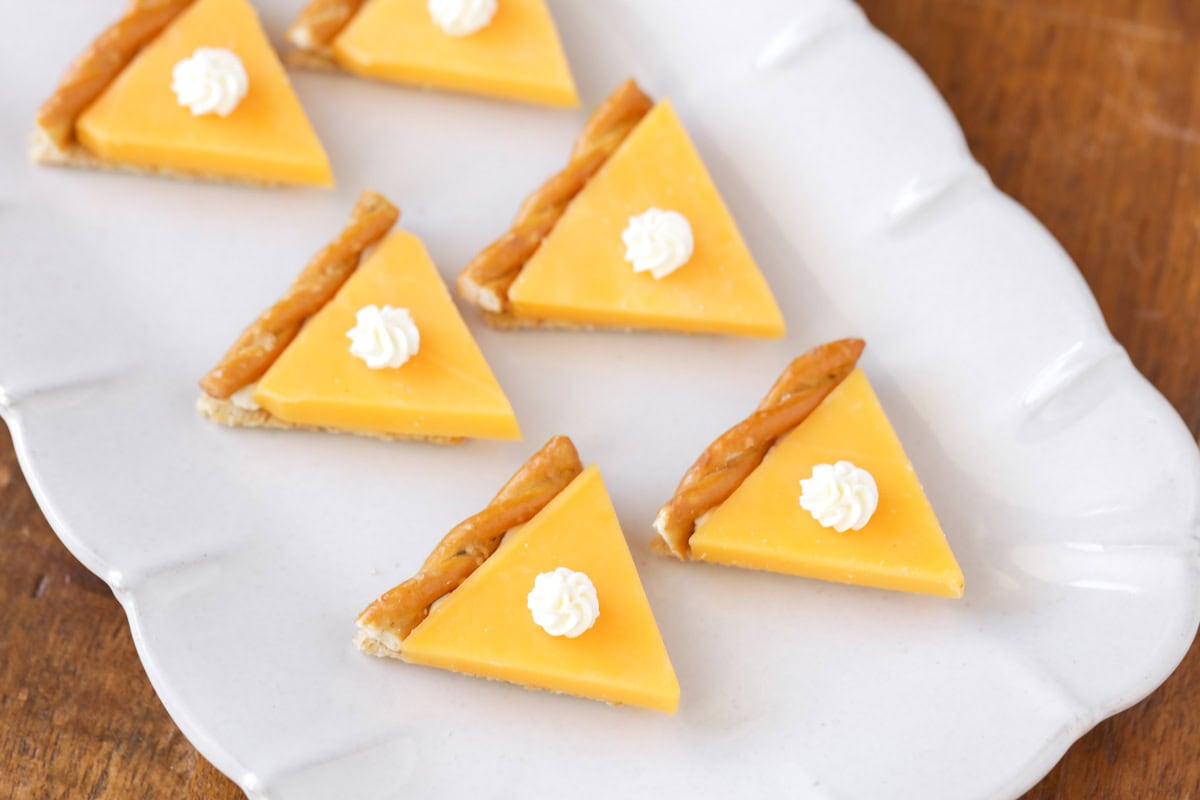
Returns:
(308, 59)
(42, 150)
(504, 321)
(224, 412)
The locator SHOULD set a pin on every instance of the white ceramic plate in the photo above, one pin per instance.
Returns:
(1067, 486)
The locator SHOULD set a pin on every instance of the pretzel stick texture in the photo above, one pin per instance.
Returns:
(96, 67)
(385, 623)
(485, 281)
(261, 343)
(319, 23)
(720, 469)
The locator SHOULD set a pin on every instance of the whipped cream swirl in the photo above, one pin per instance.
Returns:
(840, 496)
(658, 242)
(384, 337)
(564, 602)
(462, 17)
(212, 81)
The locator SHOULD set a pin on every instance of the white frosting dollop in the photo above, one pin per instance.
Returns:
(462, 17)
(564, 602)
(840, 496)
(212, 81)
(243, 398)
(384, 337)
(658, 242)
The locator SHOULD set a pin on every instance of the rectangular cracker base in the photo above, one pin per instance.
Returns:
(373, 646)
(316, 61)
(75, 155)
(504, 321)
(311, 59)
(224, 412)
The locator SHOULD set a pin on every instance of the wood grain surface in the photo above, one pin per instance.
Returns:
(1086, 111)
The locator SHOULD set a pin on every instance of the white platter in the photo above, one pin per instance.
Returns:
(1068, 487)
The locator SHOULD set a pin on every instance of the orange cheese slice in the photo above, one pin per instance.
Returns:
(580, 275)
(267, 138)
(517, 56)
(446, 389)
(762, 525)
(485, 628)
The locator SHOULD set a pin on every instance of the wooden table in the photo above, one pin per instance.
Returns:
(1086, 111)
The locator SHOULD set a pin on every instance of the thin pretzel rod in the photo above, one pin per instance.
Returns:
(319, 23)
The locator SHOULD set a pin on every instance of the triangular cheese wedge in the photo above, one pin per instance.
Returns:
(484, 627)
(579, 274)
(516, 56)
(762, 525)
(267, 138)
(446, 390)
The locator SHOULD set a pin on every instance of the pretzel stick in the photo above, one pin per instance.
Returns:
(96, 67)
(485, 281)
(393, 616)
(319, 23)
(720, 469)
(262, 342)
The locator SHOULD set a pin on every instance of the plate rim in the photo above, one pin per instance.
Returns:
(1050, 753)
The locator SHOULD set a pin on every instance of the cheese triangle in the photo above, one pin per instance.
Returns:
(445, 390)
(484, 627)
(267, 138)
(762, 525)
(517, 56)
(579, 273)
